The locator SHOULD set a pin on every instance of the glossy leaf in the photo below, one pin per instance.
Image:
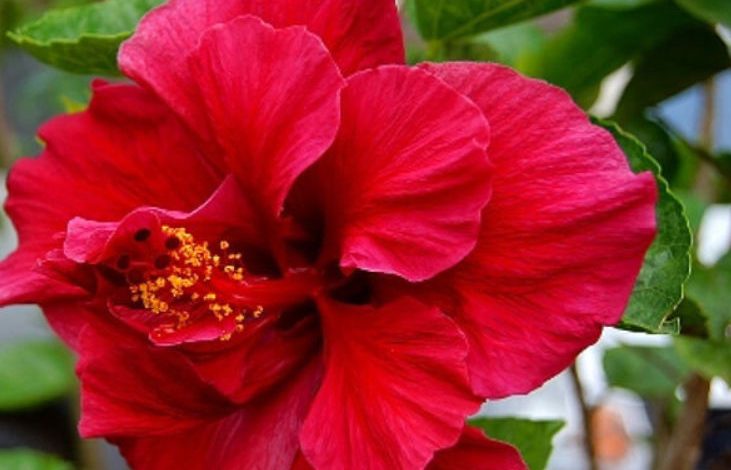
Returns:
(677, 159)
(697, 54)
(659, 287)
(598, 42)
(83, 39)
(33, 373)
(714, 11)
(532, 438)
(650, 372)
(23, 459)
(450, 19)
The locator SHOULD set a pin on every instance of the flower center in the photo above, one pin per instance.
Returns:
(192, 290)
(182, 285)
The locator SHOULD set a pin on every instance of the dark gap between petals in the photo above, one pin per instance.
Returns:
(291, 317)
(354, 290)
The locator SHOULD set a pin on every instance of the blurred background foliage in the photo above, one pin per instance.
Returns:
(621, 60)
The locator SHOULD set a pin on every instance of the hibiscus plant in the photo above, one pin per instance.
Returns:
(323, 233)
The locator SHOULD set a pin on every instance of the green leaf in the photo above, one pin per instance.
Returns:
(10, 14)
(710, 288)
(651, 372)
(723, 162)
(23, 459)
(715, 11)
(697, 54)
(512, 42)
(33, 373)
(678, 161)
(461, 50)
(620, 4)
(531, 438)
(598, 42)
(695, 208)
(83, 39)
(693, 322)
(450, 19)
(709, 357)
(659, 286)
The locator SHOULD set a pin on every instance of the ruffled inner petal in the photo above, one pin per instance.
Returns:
(402, 188)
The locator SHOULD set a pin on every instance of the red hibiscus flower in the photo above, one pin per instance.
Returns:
(283, 247)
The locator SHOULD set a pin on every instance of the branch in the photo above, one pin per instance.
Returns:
(683, 449)
(704, 186)
(586, 413)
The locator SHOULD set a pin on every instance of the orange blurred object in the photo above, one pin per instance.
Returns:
(611, 441)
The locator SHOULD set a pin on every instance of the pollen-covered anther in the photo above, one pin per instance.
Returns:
(180, 286)
(258, 311)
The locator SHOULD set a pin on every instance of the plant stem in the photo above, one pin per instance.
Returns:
(586, 413)
(661, 417)
(709, 115)
(704, 184)
(683, 449)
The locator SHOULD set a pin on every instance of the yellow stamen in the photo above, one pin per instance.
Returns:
(191, 268)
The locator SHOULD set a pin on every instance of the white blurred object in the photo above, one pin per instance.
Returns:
(610, 92)
(714, 235)
(724, 33)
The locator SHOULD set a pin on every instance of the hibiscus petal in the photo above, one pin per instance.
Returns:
(260, 357)
(23, 284)
(474, 451)
(125, 151)
(384, 368)
(358, 33)
(562, 239)
(70, 319)
(261, 436)
(129, 387)
(273, 110)
(407, 177)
